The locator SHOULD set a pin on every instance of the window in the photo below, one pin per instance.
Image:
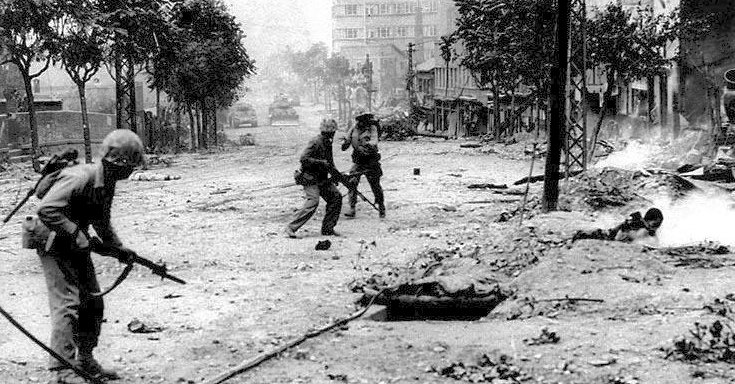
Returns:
(383, 9)
(428, 6)
(350, 33)
(372, 33)
(384, 32)
(429, 30)
(412, 7)
(371, 10)
(401, 32)
(401, 8)
(351, 9)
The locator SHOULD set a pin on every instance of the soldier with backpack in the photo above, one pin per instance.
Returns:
(73, 199)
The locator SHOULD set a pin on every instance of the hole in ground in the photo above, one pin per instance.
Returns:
(411, 308)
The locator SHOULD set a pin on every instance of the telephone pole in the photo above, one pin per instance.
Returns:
(368, 71)
(557, 124)
(410, 78)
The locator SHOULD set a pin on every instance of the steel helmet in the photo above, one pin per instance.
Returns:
(359, 111)
(122, 147)
(328, 125)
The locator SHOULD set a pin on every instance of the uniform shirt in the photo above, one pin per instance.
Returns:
(364, 142)
(317, 159)
(78, 198)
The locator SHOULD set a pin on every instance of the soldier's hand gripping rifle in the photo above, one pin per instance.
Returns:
(129, 257)
(343, 179)
(55, 164)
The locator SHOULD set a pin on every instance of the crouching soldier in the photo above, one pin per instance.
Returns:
(81, 196)
(317, 163)
(635, 227)
(363, 138)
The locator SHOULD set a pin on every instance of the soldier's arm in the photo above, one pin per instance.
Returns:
(347, 139)
(373, 140)
(52, 210)
(307, 157)
(104, 228)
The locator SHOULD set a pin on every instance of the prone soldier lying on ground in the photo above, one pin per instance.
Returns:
(633, 228)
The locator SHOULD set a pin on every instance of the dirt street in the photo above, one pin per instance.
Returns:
(251, 289)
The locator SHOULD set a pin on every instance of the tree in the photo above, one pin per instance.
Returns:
(25, 36)
(337, 70)
(627, 48)
(310, 66)
(80, 49)
(506, 44)
(202, 62)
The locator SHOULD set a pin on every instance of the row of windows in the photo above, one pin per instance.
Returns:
(396, 8)
(384, 32)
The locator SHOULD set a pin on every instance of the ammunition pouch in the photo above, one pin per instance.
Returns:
(34, 233)
(303, 178)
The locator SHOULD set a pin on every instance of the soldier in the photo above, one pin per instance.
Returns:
(81, 196)
(317, 163)
(363, 138)
(635, 227)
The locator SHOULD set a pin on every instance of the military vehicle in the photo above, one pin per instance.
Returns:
(281, 112)
(243, 114)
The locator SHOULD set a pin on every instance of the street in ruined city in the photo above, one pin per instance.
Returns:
(367, 192)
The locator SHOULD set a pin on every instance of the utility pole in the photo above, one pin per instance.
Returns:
(557, 103)
(368, 71)
(410, 78)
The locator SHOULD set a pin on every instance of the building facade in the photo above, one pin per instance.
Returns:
(383, 29)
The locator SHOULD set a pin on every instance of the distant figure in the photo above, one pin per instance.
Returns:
(363, 138)
(634, 228)
(317, 163)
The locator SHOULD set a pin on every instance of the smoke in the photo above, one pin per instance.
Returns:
(634, 156)
(696, 218)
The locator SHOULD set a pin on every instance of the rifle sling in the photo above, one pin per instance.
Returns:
(123, 275)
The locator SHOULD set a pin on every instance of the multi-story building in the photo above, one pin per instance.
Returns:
(383, 29)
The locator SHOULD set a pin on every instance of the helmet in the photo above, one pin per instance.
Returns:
(328, 125)
(122, 147)
(358, 111)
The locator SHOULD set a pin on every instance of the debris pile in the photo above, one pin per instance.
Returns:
(703, 255)
(705, 343)
(546, 337)
(396, 127)
(487, 369)
(614, 187)
(152, 176)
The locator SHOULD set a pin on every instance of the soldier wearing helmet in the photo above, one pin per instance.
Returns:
(317, 163)
(81, 196)
(363, 138)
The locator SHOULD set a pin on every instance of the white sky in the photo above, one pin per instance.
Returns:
(270, 24)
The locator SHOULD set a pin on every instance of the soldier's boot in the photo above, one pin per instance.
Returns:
(94, 368)
(67, 376)
(350, 212)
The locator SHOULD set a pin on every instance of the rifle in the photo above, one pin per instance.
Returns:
(56, 163)
(129, 258)
(342, 179)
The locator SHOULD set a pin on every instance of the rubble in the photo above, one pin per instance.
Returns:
(487, 369)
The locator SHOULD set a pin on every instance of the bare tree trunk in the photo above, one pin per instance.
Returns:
(132, 107)
(200, 126)
(603, 112)
(85, 123)
(177, 125)
(31, 119)
(192, 127)
(119, 93)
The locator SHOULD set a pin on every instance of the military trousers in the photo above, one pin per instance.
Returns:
(76, 315)
(372, 172)
(312, 193)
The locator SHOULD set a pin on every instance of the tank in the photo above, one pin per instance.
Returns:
(281, 112)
